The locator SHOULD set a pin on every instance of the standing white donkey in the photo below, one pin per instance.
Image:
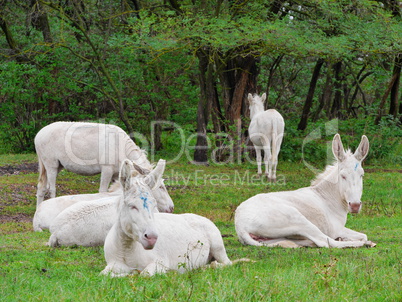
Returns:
(311, 216)
(85, 149)
(266, 132)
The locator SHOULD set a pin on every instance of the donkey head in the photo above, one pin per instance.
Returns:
(136, 209)
(159, 191)
(256, 103)
(351, 172)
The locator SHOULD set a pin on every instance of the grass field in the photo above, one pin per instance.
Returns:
(32, 271)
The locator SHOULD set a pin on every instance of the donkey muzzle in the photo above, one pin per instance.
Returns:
(354, 207)
(149, 240)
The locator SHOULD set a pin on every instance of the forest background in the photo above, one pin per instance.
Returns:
(192, 63)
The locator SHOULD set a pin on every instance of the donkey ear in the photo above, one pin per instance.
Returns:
(140, 170)
(250, 98)
(363, 149)
(125, 174)
(153, 178)
(263, 97)
(337, 148)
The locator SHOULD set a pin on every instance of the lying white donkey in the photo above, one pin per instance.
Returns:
(87, 223)
(311, 216)
(150, 243)
(47, 211)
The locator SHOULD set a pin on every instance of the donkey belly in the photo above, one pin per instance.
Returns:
(274, 216)
(81, 169)
(180, 246)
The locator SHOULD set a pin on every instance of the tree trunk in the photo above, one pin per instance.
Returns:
(9, 37)
(337, 102)
(384, 98)
(310, 95)
(359, 80)
(201, 148)
(393, 109)
(272, 70)
(245, 82)
(40, 21)
(326, 95)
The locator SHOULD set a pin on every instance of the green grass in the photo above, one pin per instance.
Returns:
(31, 271)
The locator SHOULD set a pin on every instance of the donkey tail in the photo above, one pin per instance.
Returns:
(245, 237)
(42, 181)
(42, 172)
(274, 150)
(53, 241)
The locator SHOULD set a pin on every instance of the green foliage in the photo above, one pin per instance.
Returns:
(110, 63)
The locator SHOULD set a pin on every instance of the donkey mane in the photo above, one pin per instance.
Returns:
(327, 173)
(324, 176)
(132, 150)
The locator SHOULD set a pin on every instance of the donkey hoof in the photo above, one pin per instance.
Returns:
(270, 179)
(370, 244)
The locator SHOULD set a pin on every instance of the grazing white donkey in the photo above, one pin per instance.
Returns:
(47, 211)
(85, 149)
(87, 223)
(266, 132)
(150, 243)
(311, 216)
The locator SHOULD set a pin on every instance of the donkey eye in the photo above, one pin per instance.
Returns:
(343, 177)
(134, 208)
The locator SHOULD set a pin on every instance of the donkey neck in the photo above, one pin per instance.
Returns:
(327, 186)
(255, 109)
(136, 154)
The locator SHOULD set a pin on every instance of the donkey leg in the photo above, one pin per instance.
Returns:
(106, 178)
(293, 224)
(41, 192)
(155, 267)
(268, 162)
(277, 148)
(259, 158)
(218, 251)
(350, 235)
(51, 179)
(321, 240)
(118, 269)
(286, 243)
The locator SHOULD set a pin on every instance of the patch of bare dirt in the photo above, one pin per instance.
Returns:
(23, 168)
(20, 217)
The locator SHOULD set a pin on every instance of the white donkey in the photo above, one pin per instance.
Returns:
(148, 242)
(47, 211)
(311, 216)
(87, 223)
(85, 149)
(266, 132)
